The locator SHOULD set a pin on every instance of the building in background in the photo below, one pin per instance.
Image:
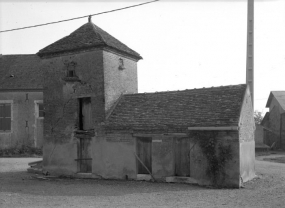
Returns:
(274, 120)
(21, 101)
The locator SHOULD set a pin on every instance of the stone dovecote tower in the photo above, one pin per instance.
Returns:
(84, 74)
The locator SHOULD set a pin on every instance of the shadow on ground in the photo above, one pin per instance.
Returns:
(27, 183)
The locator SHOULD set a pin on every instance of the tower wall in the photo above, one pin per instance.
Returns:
(120, 77)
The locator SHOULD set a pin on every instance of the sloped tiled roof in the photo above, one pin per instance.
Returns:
(86, 37)
(174, 111)
(280, 97)
(265, 119)
(20, 72)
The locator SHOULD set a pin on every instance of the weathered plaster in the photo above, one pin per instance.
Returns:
(199, 163)
(22, 110)
(113, 156)
(247, 142)
(60, 158)
(163, 156)
(118, 81)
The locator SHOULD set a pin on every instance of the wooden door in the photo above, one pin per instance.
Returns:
(182, 157)
(85, 114)
(84, 155)
(144, 153)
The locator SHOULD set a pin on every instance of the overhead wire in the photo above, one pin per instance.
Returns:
(49, 23)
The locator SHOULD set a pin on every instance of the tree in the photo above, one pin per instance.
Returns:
(257, 116)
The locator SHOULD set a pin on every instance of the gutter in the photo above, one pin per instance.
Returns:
(214, 128)
(22, 90)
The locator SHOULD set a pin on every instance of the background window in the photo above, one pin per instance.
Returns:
(5, 117)
(71, 73)
(41, 110)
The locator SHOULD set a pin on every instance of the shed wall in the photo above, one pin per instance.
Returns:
(229, 174)
(113, 156)
(246, 138)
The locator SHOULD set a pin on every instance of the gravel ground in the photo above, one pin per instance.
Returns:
(20, 189)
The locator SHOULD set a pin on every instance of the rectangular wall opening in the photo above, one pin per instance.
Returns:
(84, 114)
(144, 152)
(182, 157)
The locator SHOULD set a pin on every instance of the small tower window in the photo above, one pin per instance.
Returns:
(71, 69)
(121, 64)
(70, 73)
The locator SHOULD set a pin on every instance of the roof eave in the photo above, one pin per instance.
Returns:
(135, 57)
(80, 49)
(101, 46)
(269, 100)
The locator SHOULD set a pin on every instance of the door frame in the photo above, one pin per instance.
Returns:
(37, 102)
(79, 154)
(136, 151)
(188, 155)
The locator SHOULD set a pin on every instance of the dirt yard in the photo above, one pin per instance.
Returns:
(20, 189)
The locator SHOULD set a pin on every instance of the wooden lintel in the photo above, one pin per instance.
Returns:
(79, 159)
(166, 134)
(214, 128)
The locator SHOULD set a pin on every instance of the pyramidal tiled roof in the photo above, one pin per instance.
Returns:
(174, 111)
(87, 36)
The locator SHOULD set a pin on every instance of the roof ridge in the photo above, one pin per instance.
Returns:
(97, 33)
(174, 91)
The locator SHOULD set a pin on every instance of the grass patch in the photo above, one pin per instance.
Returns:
(275, 159)
(23, 151)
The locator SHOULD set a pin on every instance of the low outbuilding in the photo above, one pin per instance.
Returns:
(203, 136)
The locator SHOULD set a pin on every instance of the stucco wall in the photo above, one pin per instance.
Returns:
(22, 110)
(99, 78)
(113, 156)
(61, 102)
(60, 158)
(118, 81)
(228, 175)
(163, 156)
(246, 138)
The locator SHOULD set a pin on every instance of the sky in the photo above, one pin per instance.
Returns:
(184, 44)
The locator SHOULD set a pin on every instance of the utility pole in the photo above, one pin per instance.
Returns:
(250, 49)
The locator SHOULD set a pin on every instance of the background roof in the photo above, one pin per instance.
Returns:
(280, 97)
(20, 72)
